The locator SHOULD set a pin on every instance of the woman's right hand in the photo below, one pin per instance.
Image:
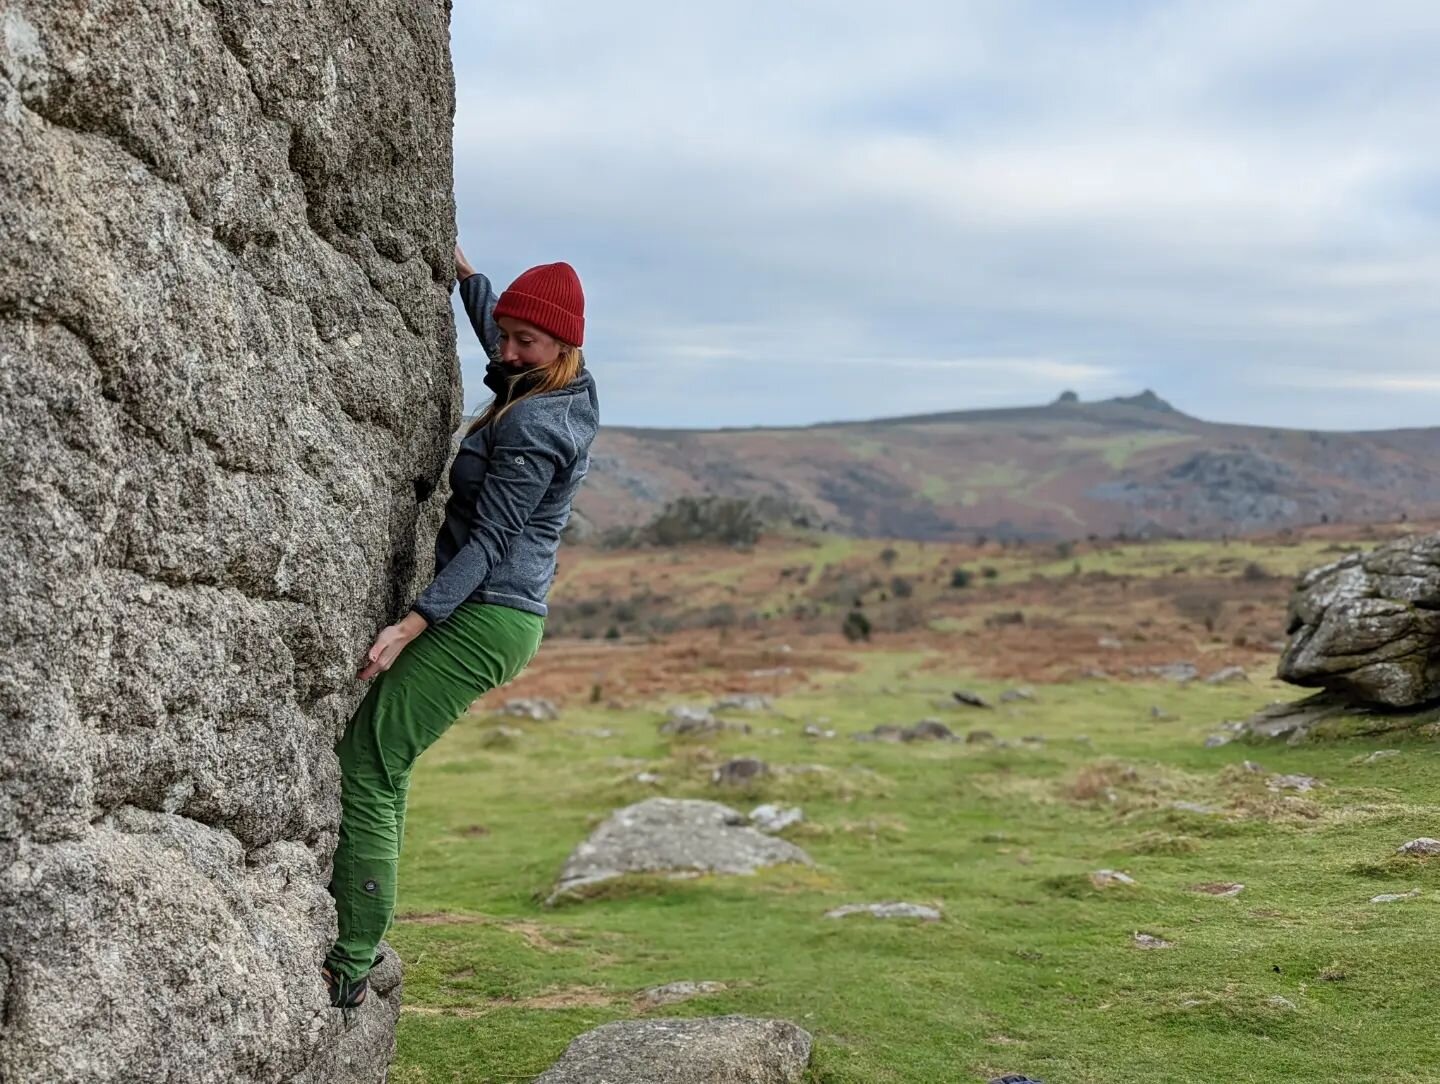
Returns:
(463, 270)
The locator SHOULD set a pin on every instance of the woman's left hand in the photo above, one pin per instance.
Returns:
(388, 645)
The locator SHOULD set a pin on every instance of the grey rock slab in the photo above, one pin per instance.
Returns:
(707, 1050)
(1301, 783)
(228, 388)
(1228, 675)
(970, 699)
(536, 709)
(886, 910)
(1150, 941)
(1395, 897)
(1110, 878)
(739, 772)
(672, 835)
(743, 702)
(1381, 754)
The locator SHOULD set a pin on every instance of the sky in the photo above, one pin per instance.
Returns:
(792, 212)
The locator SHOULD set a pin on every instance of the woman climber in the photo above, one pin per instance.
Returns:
(479, 622)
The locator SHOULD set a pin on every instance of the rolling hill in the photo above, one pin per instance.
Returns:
(1134, 466)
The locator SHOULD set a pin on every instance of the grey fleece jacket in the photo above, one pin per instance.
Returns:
(511, 487)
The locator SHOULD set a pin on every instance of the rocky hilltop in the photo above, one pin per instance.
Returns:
(227, 371)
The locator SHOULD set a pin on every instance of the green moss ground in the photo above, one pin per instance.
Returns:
(1032, 969)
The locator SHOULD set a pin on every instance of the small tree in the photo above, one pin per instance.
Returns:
(960, 577)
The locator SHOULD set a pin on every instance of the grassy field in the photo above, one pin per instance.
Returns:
(1032, 969)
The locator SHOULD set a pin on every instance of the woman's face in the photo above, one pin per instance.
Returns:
(525, 346)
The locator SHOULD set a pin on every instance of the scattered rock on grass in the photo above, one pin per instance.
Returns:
(672, 993)
(650, 779)
(810, 730)
(707, 1050)
(886, 910)
(1109, 878)
(1227, 676)
(743, 702)
(1422, 846)
(774, 818)
(1252, 767)
(1394, 897)
(664, 835)
(979, 737)
(974, 700)
(1159, 713)
(500, 737)
(1196, 807)
(738, 772)
(1150, 941)
(1278, 1002)
(534, 708)
(1215, 741)
(1302, 783)
(1178, 672)
(1381, 754)
(929, 730)
(1010, 696)
(1219, 888)
(684, 720)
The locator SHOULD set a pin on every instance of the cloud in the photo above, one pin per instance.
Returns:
(1111, 195)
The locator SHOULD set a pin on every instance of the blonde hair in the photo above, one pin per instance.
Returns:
(556, 376)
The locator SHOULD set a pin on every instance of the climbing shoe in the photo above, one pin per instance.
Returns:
(345, 993)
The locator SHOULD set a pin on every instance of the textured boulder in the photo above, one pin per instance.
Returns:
(227, 379)
(709, 1050)
(1368, 626)
(672, 835)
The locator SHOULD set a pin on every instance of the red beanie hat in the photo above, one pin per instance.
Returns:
(548, 296)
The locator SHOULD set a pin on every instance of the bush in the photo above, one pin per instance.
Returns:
(856, 626)
(990, 572)
(900, 587)
(889, 556)
(1255, 572)
(612, 633)
(961, 577)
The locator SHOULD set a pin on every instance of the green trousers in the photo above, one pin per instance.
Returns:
(436, 677)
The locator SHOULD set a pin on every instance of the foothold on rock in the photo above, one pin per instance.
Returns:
(1150, 941)
(774, 818)
(886, 910)
(1424, 846)
(1109, 878)
(663, 835)
(738, 772)
(974, 700)
(707, 1050)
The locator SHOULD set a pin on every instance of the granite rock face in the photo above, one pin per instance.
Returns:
(227, 379)
(1367, 627)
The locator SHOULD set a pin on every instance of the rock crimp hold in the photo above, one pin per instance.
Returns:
(676, 836)
(1368, 626)
(707, 1050)
(227, 386)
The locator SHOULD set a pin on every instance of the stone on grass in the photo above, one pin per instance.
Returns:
(649, 779)
(739, 772)
(686, 721)
(1422, 846)
(1302, 783)
(536, 709)
(1150, 941)
(1109, 878)
(775, 818)
(1252, 767)
(672, 993)
(672, 835)
(743, 702)
(1024, 692)
(886, 910)
(1381, 754)
(1227, 675)
(969, 699)
(1395, 897)
(929, 730)
(707, 1050)
(810, 730)
(1157, 712)
(1215, 741)
(1278, 1002)
(1219, 888)
(1196, 807)
(1178, 672)
(979, 737)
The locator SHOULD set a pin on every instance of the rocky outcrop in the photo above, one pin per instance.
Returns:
(227, 377)
(1368, 626)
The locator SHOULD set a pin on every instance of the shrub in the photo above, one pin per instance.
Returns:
(856, 626)
(960, 577)
(900, 587)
